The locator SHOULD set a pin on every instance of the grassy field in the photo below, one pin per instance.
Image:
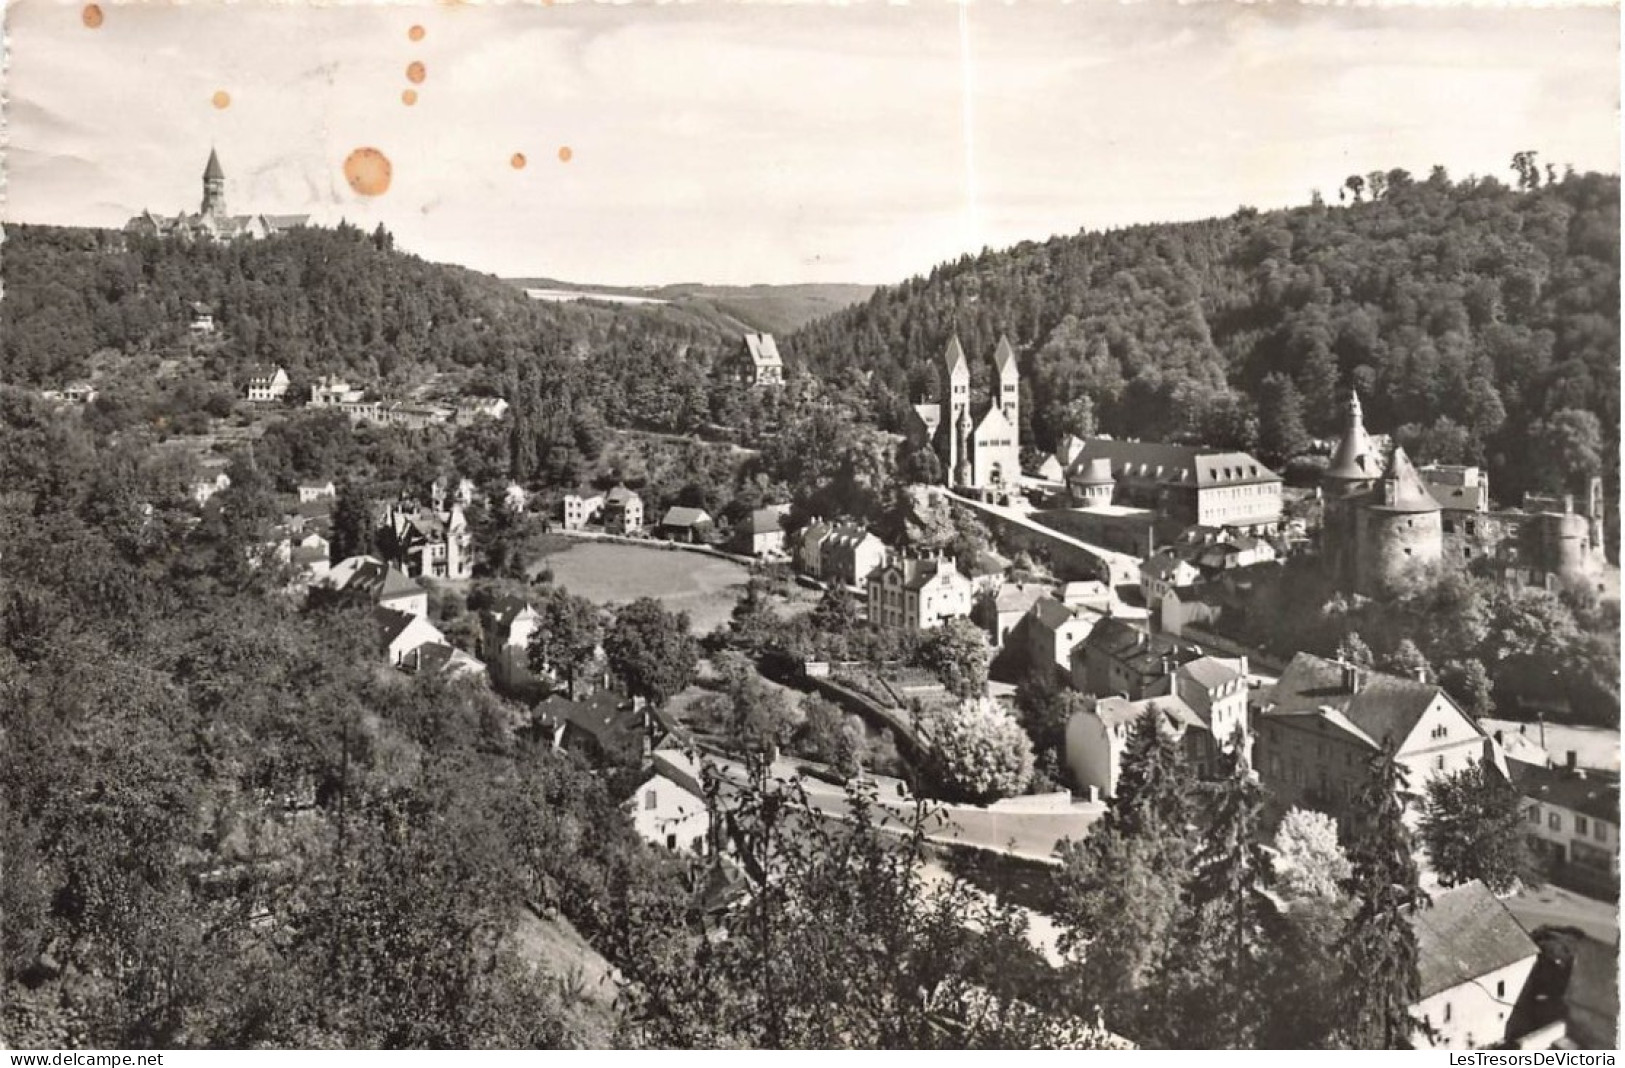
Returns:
(703, 586)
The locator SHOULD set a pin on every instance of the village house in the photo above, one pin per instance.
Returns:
(471, 410)
(917, 594)
(761, 533)
(1004, 614)
(623, 512)
(604, 723)
(267, 384)
(1055, 629)
(204, 487)
(1572, 814)
(400, 633)
(1119, 659)
(986, 570)
(684, 524)
(369, 580)
(1206, 713)
(844, 553)
(431, 542)
(202, 322)
(332, 392)
(506, 626)
(1324, 720)
(1089, 593)
(439, 658)
(1168, 570)
(668, 814)
(317, 491)
(580, 507)
(757, 361)
(1474, 960)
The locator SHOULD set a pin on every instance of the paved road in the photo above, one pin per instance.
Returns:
(1554, 906)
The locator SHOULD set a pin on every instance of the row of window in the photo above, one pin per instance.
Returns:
(1582, 826)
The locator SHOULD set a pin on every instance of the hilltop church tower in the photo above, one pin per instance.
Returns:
(1009, 386)
(978, 450)
(214, 188)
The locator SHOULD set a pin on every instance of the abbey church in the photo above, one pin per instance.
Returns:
(978, 446)
(212, 222)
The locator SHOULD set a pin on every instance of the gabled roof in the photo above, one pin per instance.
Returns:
(1137, 649)
(1187, 465)
(1467, 933)
(1593, 794)
(1165, 564)
(679, 516)
(1210, 672)
(1382, 706)
(1019, 596)
(392, 624)
(763, 350)
(765, 521)
(994, 421)
(619, 495)
(605, 716)
(1456, 498)
(1052, 613)
(505, 609)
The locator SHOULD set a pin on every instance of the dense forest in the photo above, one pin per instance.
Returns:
(1479, 321)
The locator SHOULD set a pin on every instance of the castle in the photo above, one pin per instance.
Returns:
(212, 222)
(1382, 522)
(979, 450)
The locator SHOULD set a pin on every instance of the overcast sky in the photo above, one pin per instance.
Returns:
(763, 143)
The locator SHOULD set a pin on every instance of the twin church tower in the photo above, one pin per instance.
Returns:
(979, 449)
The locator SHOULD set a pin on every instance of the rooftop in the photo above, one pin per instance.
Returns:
(1465, 934)
(1593, 794)
(1380, 706)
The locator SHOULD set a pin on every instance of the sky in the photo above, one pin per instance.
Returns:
(776, 143)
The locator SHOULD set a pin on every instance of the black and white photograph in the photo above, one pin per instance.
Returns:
(946, 524)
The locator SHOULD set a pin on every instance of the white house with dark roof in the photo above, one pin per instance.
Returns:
(581, 506)
(1168, 569)
(369, 579)
(400, 634)
(267, 384)
(1474, 959)
(1572, 815)
(506, 627)
(623, 511)
(1324, 720)
(761, 533)
(1185, 484)
(1055, 628)
(668, 814)
(432, 542)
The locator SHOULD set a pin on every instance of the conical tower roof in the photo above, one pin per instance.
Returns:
(1402, 488)
(1097, 472)
(213, 170)
(1356, 459)
(954, 358)
(1004, 357)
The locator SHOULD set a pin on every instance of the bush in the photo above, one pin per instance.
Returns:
(978, 752)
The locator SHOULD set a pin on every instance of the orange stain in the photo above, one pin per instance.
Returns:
(517, 161)
(221, 99)
(409, 97)
(565, 155)
(91, 16)
(416, 72)
(368, 171)
(415, 33)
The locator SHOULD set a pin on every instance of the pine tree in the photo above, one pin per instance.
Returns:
(354, 533)
(1378, 949)
(1153, 784)
(1227, 926)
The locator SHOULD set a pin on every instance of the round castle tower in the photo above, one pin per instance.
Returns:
(1096, 484)
(1378, 525)
(1398, 529)
(1349, 478)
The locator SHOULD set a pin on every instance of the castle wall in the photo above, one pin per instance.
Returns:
(1389, 545)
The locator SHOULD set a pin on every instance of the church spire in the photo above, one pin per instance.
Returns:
(213, 171)
(214, 187)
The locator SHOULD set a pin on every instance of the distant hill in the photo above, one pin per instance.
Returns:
(728, 309)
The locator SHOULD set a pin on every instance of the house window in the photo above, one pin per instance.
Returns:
(1447, 1012)
(1534, 815)
(1438, 762)
(1500, 988)
(649, 799)
(1599, 831)
(1554, 820)
(1580, 827)
(671, 843)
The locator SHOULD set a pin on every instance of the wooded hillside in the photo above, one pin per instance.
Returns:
(1479, 321)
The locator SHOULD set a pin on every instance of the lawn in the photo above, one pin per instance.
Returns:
(608, 573)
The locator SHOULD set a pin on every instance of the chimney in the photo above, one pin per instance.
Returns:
(1351, 678)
